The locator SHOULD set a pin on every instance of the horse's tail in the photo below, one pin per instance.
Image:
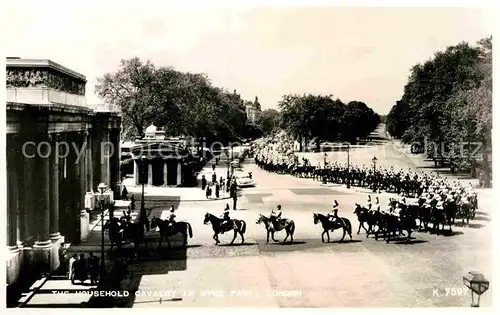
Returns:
(190, 230)
(292, 227)
(243, 226)
(348, 226)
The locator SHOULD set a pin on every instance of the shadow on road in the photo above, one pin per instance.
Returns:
(344, 241)
(237, 244)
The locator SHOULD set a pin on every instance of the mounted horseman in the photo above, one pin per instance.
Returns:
(331, 222)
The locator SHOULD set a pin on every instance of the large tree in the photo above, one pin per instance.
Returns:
(183, 103)
(448, 100)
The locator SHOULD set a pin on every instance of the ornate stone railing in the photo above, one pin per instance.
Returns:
(41, 95)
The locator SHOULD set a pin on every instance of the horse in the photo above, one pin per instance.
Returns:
(133, 232)
(389, 224)
(364, 216)
(286, 224)
(239, 226)
(166, 231)
(328, 225)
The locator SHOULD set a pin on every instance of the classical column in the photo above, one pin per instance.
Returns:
(150, 173)
(137, 175)
(29, 191)
(165, 172)
(55, 236)
(42, 244)
(90, 166)
(179, 172)
(21, 211)
(12, 197)
(105, 157)
(115, 163)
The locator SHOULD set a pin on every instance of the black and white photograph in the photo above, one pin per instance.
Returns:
(164, 154)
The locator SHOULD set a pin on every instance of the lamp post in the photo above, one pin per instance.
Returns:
(102, 274)
(478, 284)
(374, 160)
(348, 167)
(143, 160)
(325, 156)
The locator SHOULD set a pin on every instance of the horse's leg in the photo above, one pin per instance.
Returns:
(323, 236)
(267, 241)
(234, 237)
(328, 235)
(242, 237)
(216, 239)
(272, 236)
(291, 237)
(287, 233)
(343, 234)
(360, 225)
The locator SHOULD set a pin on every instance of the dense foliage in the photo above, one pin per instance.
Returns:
(183, 103)
(324, 118)
(446, 108)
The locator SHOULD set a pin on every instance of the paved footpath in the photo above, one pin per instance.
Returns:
(308, 273)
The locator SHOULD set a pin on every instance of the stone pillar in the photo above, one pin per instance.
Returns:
(12, 191)
(179, 172)
(29, 193)
(137, 175)
(150, 173)
(165, 172)
(104, 158)
(13, 259)
(90, 166)
(55, 236)
(43, 245)
(115, 163)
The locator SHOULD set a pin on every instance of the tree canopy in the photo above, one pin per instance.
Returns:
(448, 101)
(325, 118)
(183, 103)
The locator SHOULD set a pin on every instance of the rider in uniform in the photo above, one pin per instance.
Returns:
(225, 218)
(275, 217)
(369, 203)
(332, 216)
(171, 218)
(377, 205)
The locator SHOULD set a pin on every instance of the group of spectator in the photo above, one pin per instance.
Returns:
(79, 268)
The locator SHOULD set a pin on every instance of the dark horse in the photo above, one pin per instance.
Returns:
(132, 232)
(286, 224)
(328, 225)
(365, 216)
(166, 231)
(238, 226)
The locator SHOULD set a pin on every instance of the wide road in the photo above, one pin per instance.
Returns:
(309, 273)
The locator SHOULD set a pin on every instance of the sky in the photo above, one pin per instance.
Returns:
(362, 54)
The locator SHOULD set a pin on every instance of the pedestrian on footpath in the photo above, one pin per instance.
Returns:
(71, 264)
(214, 178)
(132, 202)
(203, 182)
(217, 190)
(208, 192)
(235, 199)
(93, 267)
(213, 167)
(124, 195)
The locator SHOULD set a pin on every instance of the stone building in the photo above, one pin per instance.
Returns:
(58, 150)
(161, 161)
(253, 111)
